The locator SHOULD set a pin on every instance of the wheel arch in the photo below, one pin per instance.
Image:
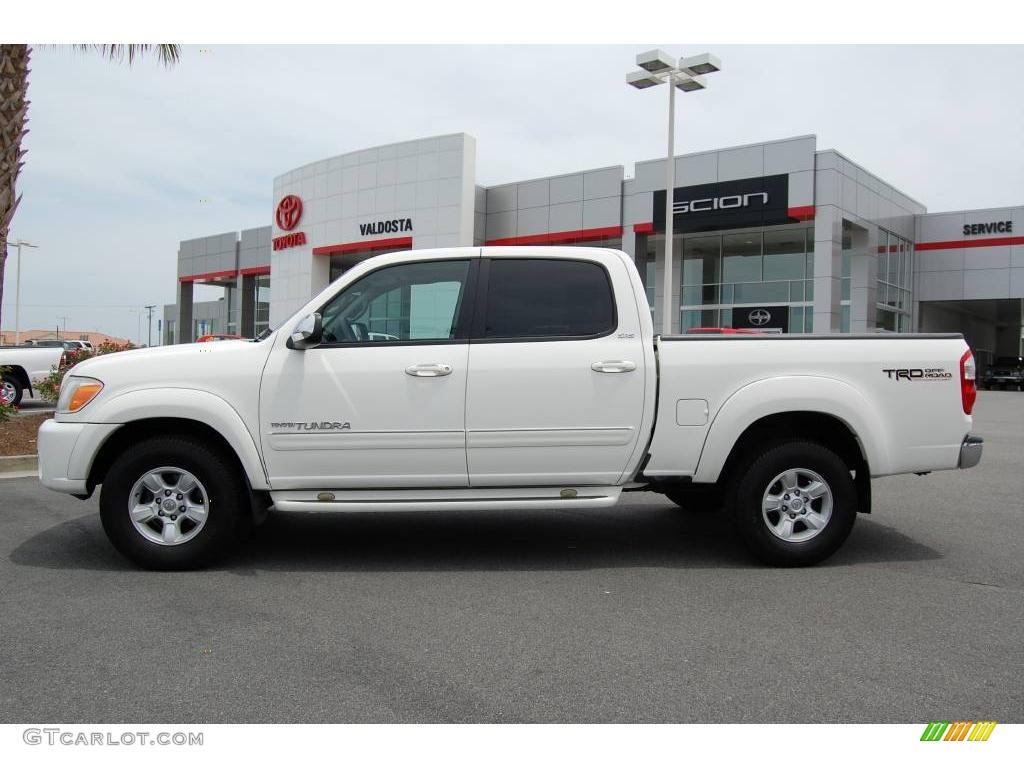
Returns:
(192, 413)
(19, 373)
(834, 403)
(814, 426)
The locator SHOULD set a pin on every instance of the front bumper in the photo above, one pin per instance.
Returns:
(66, 453)
(970, 451)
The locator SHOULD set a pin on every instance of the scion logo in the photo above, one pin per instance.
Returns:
(759, 317)
(719, 203)
(917, 374)
(309, 426)
(289, 212)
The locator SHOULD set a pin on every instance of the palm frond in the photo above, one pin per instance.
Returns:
(166, 53)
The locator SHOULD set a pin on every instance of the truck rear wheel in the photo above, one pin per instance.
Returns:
(795, 504)
(172, 503)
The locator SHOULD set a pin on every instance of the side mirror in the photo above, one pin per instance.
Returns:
(308, 333)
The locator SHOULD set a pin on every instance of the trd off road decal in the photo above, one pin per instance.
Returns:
(917, 374)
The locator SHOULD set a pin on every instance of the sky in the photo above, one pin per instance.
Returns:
(124, 162)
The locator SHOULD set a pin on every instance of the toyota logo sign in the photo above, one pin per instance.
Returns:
(289, 211)
(759, 317)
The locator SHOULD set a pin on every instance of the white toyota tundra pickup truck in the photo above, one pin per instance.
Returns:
(21, 368)
(502, 378)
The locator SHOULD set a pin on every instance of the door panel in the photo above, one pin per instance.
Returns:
(381, 402)
(403, 431)
(561, 412)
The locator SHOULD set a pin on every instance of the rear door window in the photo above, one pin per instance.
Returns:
(547, 299)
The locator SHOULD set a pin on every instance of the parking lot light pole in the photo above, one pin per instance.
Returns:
(657, 68)
(149, 338)
(17, 289)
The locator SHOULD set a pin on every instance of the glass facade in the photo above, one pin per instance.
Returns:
(895, 278)
(262, 318)
(724, 271)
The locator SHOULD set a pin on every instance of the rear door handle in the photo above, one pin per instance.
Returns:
(613, 366)
(429, 370)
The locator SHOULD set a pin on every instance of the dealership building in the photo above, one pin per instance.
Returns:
(779, 236)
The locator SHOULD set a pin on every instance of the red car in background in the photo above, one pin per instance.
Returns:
(221, 337)
(710, 330)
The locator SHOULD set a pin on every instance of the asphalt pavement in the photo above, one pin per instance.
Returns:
(641, 613)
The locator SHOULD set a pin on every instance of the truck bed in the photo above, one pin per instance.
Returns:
(900, 394)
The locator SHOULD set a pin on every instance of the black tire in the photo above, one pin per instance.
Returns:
(227, 499)
(19, 392)
(755, 531)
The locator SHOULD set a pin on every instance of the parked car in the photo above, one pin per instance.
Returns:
(62, 343)
(24, 367)
(1004, 373)
(524, 378)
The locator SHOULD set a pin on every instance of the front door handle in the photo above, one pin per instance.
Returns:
(429, 370)
(613, 366)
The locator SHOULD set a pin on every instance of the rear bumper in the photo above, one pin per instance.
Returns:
(970, 451)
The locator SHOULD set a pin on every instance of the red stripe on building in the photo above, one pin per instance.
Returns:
(255, 270)
(801, 212)
(208, 276)
(552, 238)
(984, 242)
(645, 228)
(364, 245)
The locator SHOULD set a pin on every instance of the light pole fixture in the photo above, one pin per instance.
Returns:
(686, 75)
(19, 243)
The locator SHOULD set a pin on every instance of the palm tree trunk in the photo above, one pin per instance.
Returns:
(13, 118)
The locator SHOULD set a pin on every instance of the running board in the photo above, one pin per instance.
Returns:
(445, 499)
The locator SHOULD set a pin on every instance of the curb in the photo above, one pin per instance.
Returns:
(26, 463)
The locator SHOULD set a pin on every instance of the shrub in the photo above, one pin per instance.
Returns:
(49, 388)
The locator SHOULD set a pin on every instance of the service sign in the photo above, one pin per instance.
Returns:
(753, 202)
(988, 228)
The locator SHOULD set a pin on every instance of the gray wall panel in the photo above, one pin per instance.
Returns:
(566, 217)
(606, 182)
(604, 212)
(987, 284)
(566, 189)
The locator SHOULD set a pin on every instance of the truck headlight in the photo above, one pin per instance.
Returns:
(76, 392)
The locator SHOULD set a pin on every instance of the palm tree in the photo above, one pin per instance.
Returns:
(14, 117)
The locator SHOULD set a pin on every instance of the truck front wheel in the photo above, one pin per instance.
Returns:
(172, 503)
(795, 504)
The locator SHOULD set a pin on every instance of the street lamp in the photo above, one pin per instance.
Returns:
(17, 289)
(686, 75)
